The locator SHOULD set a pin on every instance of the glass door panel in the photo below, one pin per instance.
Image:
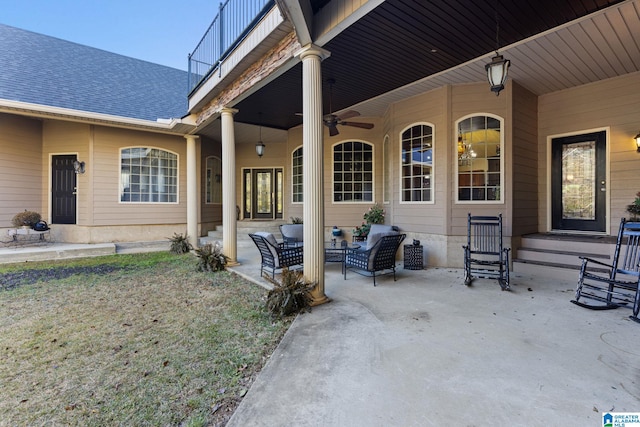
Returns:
(578, 186)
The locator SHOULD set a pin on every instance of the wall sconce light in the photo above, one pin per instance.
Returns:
(637, 139)
(78, 167)
(260, 145)
(498, 67)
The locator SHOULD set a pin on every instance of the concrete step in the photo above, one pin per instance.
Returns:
(557, 256)
(243, 229)
(546, 270)
(49, 251)
(136, 247)
(602, 245)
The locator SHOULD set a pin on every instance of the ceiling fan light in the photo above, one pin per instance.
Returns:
(497, 72)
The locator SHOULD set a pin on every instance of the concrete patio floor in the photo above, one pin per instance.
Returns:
(426, 350)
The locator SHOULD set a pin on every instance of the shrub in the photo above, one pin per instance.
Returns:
(211, 258)
(26, 218)
(634, 208)
(296, 220)
(179, 244)
(289, 297)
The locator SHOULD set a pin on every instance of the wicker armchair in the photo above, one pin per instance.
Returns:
(379, 255)
(276, 255)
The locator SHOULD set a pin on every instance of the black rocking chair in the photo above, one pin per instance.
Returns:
(613, 285)
(276, 255)
(379, 257)
(484, 255)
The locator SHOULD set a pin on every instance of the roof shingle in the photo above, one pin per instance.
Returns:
(45, 70)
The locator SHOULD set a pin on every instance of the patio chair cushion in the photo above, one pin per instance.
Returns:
(273, 243)
(292, 233)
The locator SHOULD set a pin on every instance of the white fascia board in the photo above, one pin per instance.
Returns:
(173, 126)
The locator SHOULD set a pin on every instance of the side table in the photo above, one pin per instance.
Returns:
(413, 257)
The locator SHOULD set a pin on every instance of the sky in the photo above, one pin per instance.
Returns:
(159, 31)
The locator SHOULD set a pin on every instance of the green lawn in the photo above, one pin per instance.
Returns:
(139, 339)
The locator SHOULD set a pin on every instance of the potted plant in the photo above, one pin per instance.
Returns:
(634, 208)
(375, 215)
(26, 219)
(336, 232)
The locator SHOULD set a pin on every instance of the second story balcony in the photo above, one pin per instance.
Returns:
(235, 19)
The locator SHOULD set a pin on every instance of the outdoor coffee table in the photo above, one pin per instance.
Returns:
(336, 251)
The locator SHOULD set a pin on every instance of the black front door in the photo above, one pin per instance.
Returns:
(263, 193)
(63, 190)
(578, 182)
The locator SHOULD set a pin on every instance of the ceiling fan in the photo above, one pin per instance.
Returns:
(333, 120)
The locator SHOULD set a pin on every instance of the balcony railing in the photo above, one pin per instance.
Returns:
(233, 22)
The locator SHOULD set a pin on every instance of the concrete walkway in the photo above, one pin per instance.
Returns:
(427, 351)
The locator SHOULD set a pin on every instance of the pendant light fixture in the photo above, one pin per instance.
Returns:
(498, 67)
(260, 145)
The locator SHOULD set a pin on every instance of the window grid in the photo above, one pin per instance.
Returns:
(479, 165)
(148, 175)
(296, 177)
(417, 164)
(353, 172)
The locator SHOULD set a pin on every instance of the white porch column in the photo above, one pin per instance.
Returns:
(192, 189)
(313, 169)
(229, 226)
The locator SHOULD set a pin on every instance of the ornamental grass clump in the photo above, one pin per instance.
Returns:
(291, 296)
(179, 244)
(211, 258)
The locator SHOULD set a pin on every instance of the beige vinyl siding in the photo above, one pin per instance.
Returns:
(107, 208)
(347, 215)
(477, 99)
(411, 217)
(68, 138)
(612, 104)
(523, 200)
(344, 215)
(21, 173)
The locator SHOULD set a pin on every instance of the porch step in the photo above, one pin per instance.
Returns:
(557, 256)
(244, 228)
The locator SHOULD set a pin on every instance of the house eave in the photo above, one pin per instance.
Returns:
(173, 126)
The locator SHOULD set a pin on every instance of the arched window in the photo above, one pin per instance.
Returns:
(353, 172)
(148, 175)
(417, 163)
(296, 177)
(213, 191)
(479, 144)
